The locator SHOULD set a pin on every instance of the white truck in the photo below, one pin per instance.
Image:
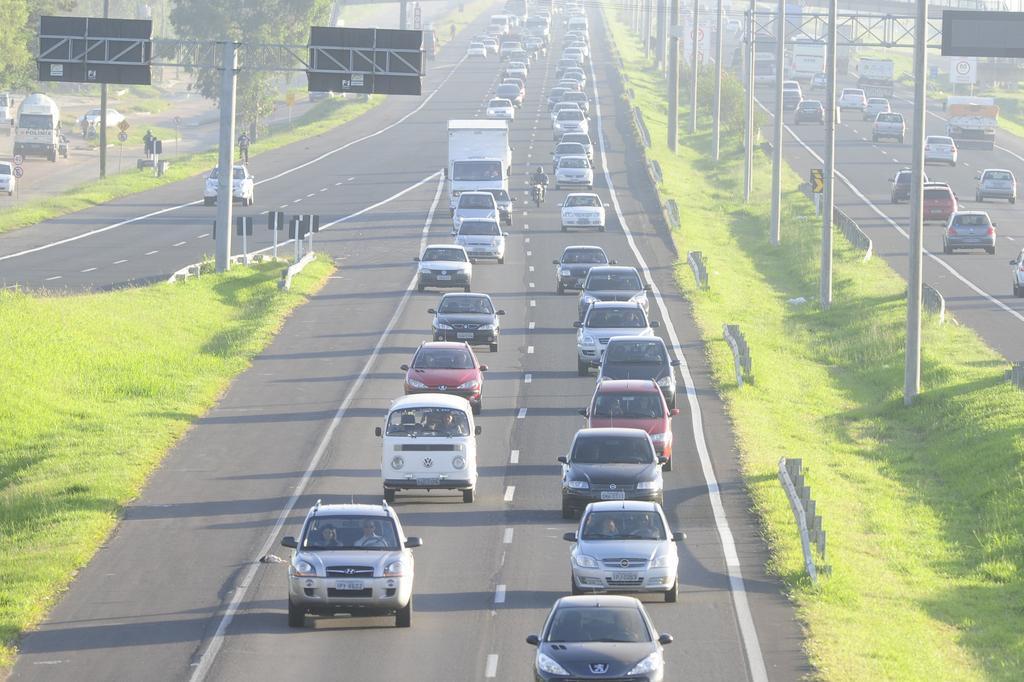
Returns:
(6, 108)
(972, 120)
(479, 157)
(37, 128)
(875, 76)
(806, 58)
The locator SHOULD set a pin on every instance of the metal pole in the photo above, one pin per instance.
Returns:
(277, 228)
(103, 111)
(828, 198)
(780, 55)
(245, 245)
(662, 33)
(748, 161)
(912, 368)
(647, 28)
(694, 66)
(225, 159)
(673, 78)
(717, 105)
(403, 14)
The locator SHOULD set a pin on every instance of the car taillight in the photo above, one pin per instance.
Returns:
(951, 231)
(991, 230)
(1021, 266)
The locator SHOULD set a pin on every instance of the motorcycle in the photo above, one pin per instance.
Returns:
(537, 191)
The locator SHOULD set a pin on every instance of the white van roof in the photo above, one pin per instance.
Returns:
(453, 402)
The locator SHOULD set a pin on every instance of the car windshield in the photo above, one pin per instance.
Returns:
(570, 148)
(940, 140)
(556, 93)
(472, 171)
(810, 106)
(624, 525)
(465, 304)
(35, 121)
(890, 118)
(479, 227)
(426, 422)
(476, 46)
(353, 532)
(508, 90)
(570, 115)
(443, 358)
(612, 450)
(573, 162)
(971, 220)
(937, 194)
(443, 254)
(598, 624)
(575, 97)
(636, 352)
(476, 201)
(625, 281)
(875, 102)
(998, 175)
(584, 256)
(616, 318)
(499, 103)
(591, 201)
(641, 405)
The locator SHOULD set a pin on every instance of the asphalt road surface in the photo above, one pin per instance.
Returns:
(178, 592)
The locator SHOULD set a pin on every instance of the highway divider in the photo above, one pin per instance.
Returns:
(804, 507)
(740, 353)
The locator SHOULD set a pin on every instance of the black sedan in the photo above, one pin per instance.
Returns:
(467, 317)
(809, 111)
(610, 464)
(602, 637)
(572, 268)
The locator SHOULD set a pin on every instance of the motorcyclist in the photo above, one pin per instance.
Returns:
(539, 179)
(243, 147)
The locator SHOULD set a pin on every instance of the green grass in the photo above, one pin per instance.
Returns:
(924, 507)
(94, 389)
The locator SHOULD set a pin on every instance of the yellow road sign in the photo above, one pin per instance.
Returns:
(290, 98)
(123, 126)
(817, 180)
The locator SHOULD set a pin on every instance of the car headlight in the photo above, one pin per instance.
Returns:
(459, 462)
(549, 665)
(577, 485)
(648, 665)
(587, 299)
(397, 462)
(303, 569)
(649, 485)
(660, 561)
(486, 327)
(661, 437)
(589, 340)
(442, 325)
(395, 569)
(471, 384)
(665, 381)
(415, 383)
(584, 561)
(565, 273)
(639, 298)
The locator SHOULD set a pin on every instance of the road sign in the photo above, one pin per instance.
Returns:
(963, 70)
(18, 171)
(290, 98)
(817, 180)
(18, 159)
(972, 33)
(366, 60)
(122, 136)
(90, 50)
(123, 126)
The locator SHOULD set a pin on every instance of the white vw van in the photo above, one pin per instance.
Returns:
(429, 442)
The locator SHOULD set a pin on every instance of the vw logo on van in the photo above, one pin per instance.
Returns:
(427, 462)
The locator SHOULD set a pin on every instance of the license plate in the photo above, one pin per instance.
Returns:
(464, 335)
(613, 495)
(348, 584)
(427, 482)
(624, 577)
(444, 278)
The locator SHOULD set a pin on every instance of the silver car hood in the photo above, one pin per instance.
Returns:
(633, 549)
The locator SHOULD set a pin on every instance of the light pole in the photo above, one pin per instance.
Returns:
(828, 196)
(694, 66)
(748, 145)
(780, 56)
(717, 124)
(673, 78)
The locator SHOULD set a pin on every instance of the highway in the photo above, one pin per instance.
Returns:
(178, 591)
(976, 286)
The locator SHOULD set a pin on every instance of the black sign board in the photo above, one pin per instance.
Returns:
(982, 33)
(243, 225)
(365, 60)
(87, 50)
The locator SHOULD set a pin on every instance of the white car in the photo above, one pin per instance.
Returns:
(575, 171)
(444, 266)
(940, 149)
(853, 98)
(474, 206)
(874, 107)
(7, 179)
(501, 108)
(634, 529)
(92, 117)
(605, 320)
(583, 210)
(242, 187)
(516, 70)
(491, 44)
(1018, 274)
(482, 238)
(476, 50)
(570, 121)
(561, 106)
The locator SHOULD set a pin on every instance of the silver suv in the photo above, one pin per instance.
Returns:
(350, 558)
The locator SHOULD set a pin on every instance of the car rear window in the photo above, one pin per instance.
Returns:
(998, 175)
(625, 281)
(890, 118)
(937, 194)
(646, 405)
(442, 254)
(584, 256)
(971, 220)
(570, 148)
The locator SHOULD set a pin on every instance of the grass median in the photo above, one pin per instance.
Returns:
(94, 390)
(923, 506)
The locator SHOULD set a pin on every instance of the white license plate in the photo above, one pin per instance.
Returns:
(613, 495)
(348, 585)
(427, 482)
(464, 335)
(624, 577)
(443, 278)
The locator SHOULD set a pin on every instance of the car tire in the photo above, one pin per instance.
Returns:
(207, 201)
(501, 261)
(671, 596)
(421, 287)
(990, 250)
(952, 163)
(566, 510)
(477, 406)
(389, 495)
(600, 228)
(403, 617)
(296, 616)
(560, 290)
(557, 186)
(979, 198)
(1018, 292)
(494, 347)
(1013, 200)
(564, 228)
(468, 496)
(874, 139)
(945, 249)
(466, 288)
(582, 368)
(573, 588)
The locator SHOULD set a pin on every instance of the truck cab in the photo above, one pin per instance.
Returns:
(479, 158)
(37, 129)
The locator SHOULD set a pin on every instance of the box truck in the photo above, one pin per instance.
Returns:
(479, 157)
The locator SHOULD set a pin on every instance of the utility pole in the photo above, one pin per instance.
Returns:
(828, 196)
(717, 125)
(103, 111)
(912, 367)
(662, 31)
(673, 78)
(780, 56)
(694, 66)
(647, 28)
(225, 159)
(748, 143)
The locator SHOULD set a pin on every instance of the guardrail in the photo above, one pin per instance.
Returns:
(654, 169)
(1015, 374)
(638, 119)
(699, 267)
(851, 230)
(811, 532)
(934, 302)
(672, 212)
(294, 269)
(196, 269)
(740, 352)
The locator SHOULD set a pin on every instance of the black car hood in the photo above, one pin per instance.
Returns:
(578, 268)
(465, 318)
(602, 474)
(634, 370)
(619, 657)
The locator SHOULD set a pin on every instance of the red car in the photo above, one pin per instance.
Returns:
(446, 367)
(633, 404)
(939, 202)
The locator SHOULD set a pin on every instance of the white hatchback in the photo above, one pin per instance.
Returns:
(7, 179)
(476, 50)
(1018, 274)
(583, 210)
(940, 149)
(243, 186)
(575, 171)
(853, 98)
(501, 109)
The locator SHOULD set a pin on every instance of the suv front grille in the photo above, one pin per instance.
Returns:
(350, 571)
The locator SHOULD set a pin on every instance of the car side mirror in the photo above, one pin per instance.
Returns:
(479, 430)
(569, 537)
(416, 259)
(556, 262)
(665, 639)
(655, 324)
(978, 176)
(582, 412)
(577, 324)
(413, 542)
(533, 639)
(647, 287)
(677, 537)
(504, 234)
(500, 312)
(613, 262)
(674, 412)
(995, 224)
(432, 311)
(404, 367)
(377, 432)
(662, 459)
(563, 459)
(484, 368)
(289, 541)
(1013, 262)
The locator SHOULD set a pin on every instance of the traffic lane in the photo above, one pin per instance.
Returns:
(282, 165)
(132, 612)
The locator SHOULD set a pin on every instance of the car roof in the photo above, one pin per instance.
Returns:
(614, 269)
(628, 385)
(431, 400)
(444, 246)
(599, 305)
(443, 345)
(622, 505)
(633, 339)
(464, 295)
(996, 170)
(618, 431)
(575, 156)
(582, 194)
(478, 192)
(352, 510)
(597, 601)
(958, 213)
(582, 247)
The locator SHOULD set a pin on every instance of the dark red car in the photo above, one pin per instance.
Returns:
(446, 367)
(939, 202)
(633, 404)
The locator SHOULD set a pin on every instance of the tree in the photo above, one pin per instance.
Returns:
(248, 21)
(20, 38)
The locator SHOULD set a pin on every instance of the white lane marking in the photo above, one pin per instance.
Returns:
(264, 212)
(748, 633)
(522, 413)
(530, 267)
(50, 279)
(491, 669)
(88, 270)
(1010, 238)
(283, 206)
(514, 457)
(529, 350)
(528, 378)
(509, 533)
(180, 244)
(533, 303)
(525, 226)
(150, 253)
(532, 285)
(530, 253)
(118, 262)
(337, 184)
(297, 201)
(354, 177)
(532, 325)
(323, 189)
(289, 171)
(205, 234)
(526, 240)
(311, 194)
(205, 662)
(499, 591)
